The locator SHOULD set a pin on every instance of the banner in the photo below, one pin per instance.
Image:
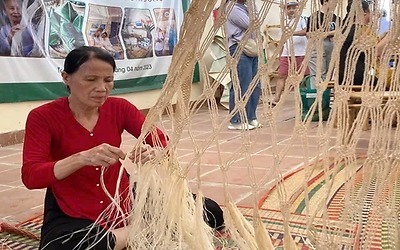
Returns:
(36, 35)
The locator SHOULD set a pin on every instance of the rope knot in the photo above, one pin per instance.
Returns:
(371, 99)
(394, 104)
(341, 95)
(301, 129)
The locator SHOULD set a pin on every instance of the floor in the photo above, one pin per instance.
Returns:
(18, 204)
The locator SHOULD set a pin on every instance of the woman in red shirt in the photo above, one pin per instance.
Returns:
(72, 148)
(72, 141)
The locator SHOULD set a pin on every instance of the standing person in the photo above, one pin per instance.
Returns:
(297, 45)
(72, 148)
(359, 30)
(12, 9)
(237, 23)
(318, 22)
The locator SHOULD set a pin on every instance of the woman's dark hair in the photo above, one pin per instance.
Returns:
(364, 6)
(323, 1)
(79, 56)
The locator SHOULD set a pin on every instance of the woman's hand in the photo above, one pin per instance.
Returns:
(103, 155)
(143, 154)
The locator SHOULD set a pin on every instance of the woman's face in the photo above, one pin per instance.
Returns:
(91, 84)
(13, 11)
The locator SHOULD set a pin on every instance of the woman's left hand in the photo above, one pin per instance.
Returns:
(143, 154)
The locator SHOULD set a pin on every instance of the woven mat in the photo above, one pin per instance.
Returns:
(24, 236)
(315, 177)
(371, 225)
(298, 225)
(272, 218)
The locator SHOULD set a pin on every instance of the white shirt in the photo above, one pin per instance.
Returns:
(299, 42)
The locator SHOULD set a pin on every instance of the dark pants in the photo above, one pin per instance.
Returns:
(247, 68)
(62, 232)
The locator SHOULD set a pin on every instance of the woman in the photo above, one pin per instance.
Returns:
(237, 23)
(71, 147)
(70, 142)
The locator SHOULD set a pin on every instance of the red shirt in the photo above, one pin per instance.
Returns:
(52, 134)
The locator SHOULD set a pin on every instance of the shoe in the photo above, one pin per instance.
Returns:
(240, 126)
(256, 124)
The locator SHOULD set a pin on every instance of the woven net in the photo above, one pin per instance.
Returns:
(166, 216)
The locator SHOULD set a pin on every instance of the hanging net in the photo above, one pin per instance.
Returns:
(339, 197)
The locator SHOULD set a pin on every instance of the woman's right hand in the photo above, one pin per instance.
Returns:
(103, 155)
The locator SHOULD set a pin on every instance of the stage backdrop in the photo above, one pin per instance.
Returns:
(36, 35)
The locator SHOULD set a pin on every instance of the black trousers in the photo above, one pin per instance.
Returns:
(62, 232)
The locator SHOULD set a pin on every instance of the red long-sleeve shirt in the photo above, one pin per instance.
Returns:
(52, 134)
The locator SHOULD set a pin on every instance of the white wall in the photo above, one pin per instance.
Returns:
(13, 115)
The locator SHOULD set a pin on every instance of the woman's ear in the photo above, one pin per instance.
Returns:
(65, 77)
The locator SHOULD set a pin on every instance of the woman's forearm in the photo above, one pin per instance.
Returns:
(66, 167)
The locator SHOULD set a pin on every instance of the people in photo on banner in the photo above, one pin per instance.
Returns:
(296, 46)
(72, 148)
(95, 39)
(107, 45)
(12, 11)
(22, 32)
(29, 42)
(172, 38)
(237, 23)
(159, 39)
(322, 21)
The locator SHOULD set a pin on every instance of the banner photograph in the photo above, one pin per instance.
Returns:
(36, 35)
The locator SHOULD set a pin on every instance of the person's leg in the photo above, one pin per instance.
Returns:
(61, 232)
(81, 234)
(120, 238)
(235, 117)
(328, 48)
(299, 61)
(312, 66)
(251, 106)
(213, 214)
(282, 75)
(245, 74)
